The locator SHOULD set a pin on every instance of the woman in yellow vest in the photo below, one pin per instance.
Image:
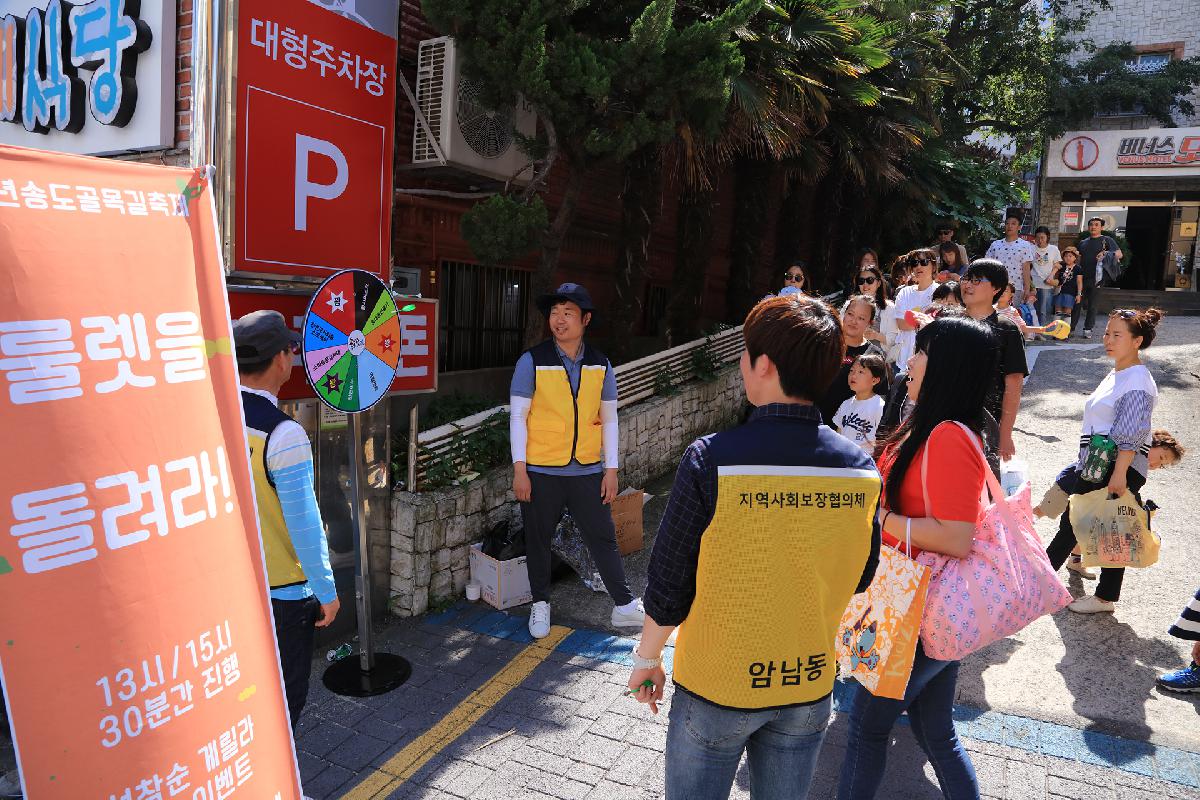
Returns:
(770, 528)
(565, 442)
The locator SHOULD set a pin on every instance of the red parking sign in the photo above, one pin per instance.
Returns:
(316, 104)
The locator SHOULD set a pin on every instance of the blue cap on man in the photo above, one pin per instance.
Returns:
(572, 292)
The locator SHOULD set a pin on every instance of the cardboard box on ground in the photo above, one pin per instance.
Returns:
(505, 584)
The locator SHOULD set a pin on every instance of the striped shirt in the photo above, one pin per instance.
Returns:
(290, 465)
(1188, 624)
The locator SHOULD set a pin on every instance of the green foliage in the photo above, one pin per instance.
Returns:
(664, 383)
(502, 227)
(476, 450)
(704, 362)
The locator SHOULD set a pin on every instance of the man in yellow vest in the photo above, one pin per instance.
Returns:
(770, 528)
(563, 426)
(303, 596)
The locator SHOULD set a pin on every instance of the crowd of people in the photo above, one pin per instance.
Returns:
(909, 399)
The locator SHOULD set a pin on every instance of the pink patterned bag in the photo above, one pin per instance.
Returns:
(1004, 583)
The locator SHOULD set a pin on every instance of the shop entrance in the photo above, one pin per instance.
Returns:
(1147, 229)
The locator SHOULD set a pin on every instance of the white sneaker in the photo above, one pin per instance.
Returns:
(539, 620)
(1087, 334)
(629, 617)
(1092, 605)
(1075, 564)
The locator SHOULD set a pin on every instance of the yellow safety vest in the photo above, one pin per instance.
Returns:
(778, 563)
(564, 424)
(283, 566)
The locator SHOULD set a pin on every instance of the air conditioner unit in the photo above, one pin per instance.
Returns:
(473, 138)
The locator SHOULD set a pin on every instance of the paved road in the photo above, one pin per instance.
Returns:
(1065, 709)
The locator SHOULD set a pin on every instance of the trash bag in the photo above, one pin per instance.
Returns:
(568, 545)
(1113, 532)
(503, 542)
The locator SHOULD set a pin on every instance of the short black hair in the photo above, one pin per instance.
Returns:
(1041, 229)
(992, 271)
(875, 365)
(1096, 219)
(1017, 215)
(257, 368)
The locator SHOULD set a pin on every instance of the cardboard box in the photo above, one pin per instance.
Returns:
(627, 517)
(503, 584)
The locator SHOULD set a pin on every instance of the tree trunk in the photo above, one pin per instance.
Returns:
(641, 203)
(693, 251)
(789, 225)
(552, 243)
(752, 199)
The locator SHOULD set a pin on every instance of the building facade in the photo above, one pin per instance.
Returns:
(1141, 178)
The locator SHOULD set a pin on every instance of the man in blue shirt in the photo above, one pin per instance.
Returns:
(563, 419)
(303, 596)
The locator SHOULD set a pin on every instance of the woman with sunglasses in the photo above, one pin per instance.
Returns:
(870, 282)
(1119, 412)
(948, 375)
(795, 276)
(915, 297)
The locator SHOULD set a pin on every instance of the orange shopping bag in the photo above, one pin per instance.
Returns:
(878, 635)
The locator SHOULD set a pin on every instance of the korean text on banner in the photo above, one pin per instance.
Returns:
(316, 107)
(138, 655)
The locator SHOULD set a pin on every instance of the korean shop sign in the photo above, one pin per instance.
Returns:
(94, 78)
(138, 652)
(316, 107)
(1154, 152)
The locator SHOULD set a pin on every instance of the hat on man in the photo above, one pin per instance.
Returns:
(571, 292)
(260, 336)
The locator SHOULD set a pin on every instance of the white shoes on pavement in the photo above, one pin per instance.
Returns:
(539, 620)
(1075, 564)
(629, 616)
(1090, 604)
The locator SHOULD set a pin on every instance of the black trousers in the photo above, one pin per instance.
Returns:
(579, 494)
(1109, 587)
(1089, 299)
(295, 631)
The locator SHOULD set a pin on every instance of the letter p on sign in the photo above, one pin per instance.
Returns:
(306, 148)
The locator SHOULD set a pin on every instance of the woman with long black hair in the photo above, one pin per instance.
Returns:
(949, 376)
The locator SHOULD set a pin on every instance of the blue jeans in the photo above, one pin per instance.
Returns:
(705, 745)
(928, 701)
(1045, 305)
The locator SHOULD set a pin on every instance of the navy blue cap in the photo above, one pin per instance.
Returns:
(262, 335)
(568, 291)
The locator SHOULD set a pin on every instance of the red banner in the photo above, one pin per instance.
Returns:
(138, 653)
(418, 338)
(316, 104)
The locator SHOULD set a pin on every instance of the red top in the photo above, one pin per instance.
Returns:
(956, 479)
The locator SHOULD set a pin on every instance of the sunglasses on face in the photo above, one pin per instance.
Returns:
(945, 233)
(866, 280)
(920, 261)
(790, 277)
(974, 280)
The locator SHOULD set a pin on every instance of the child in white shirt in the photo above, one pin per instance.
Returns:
(858, 417)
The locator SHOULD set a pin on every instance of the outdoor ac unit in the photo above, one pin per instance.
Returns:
(473, 138)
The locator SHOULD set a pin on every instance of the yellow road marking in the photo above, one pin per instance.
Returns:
(458, 721)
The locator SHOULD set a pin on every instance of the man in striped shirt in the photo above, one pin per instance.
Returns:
(303, 596)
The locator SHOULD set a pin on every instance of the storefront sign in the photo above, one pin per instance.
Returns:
(138, 652)
(1145, 153)
(97, 77)
(418, 319)
(316, 108)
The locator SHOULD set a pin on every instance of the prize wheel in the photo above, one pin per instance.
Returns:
(351, 341)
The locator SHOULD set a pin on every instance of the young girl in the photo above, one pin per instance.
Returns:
(857, 418)
(1069, 282)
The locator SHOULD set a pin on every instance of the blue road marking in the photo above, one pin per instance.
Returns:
(1020, 733)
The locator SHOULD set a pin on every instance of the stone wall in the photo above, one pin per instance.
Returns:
(432, 532)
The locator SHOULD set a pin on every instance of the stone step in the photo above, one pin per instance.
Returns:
(1181, 303)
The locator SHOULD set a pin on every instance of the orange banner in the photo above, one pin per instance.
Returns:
(137, 648)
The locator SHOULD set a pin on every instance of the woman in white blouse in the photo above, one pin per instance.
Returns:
(1120, 408)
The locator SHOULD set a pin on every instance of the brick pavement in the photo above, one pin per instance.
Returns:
(567, 732)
